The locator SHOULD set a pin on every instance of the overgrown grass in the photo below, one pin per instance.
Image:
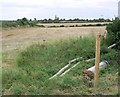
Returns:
(40, 61)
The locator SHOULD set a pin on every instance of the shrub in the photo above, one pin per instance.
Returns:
(71, 26)
(23, 22)
(113, 29)
(62, 26)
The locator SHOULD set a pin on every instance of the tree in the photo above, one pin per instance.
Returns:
(35, 19)
(22, 22)
(24, 19)
(25, 22)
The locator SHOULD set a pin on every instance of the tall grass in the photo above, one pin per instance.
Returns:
(40, 61)
(51, 57)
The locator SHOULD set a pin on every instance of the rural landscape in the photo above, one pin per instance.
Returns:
(52, 56)
(31, 55)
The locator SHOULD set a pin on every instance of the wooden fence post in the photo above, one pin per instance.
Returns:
(97, 61)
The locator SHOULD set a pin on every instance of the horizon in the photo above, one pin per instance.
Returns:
(62, 18)
(69, 9)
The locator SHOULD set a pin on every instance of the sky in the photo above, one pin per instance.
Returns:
(41, 9)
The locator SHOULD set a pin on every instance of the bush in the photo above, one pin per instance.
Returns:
(113, 29)
(23, 22)
(62, 26)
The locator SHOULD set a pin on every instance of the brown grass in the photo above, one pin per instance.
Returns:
(19, 38)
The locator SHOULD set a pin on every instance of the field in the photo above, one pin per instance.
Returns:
(13, 40)
(30, 53)
(19, 38)
(72, 24)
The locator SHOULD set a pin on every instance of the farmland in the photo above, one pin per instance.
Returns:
(21, 37)
(33, 54)
(73, 24)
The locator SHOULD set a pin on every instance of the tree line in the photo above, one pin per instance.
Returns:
(31, 23)
(20, 23)
(76, 20)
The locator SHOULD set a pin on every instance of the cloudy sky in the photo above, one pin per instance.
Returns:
(40, 9)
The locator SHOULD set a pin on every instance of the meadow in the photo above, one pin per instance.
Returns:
(31, 55)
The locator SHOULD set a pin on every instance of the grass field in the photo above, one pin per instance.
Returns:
(31, 55)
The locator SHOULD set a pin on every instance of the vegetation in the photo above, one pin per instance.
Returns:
(113, 29)
(24, 22)
(40, 61)
(83, 25)
(76, 20)
(6, 24)
(37, 63)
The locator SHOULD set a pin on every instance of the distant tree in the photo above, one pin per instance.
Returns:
(45, 19)
(24, 19)
(30, 19)
(50, 20)
(35, 19)
(25, 22)
(62, 19)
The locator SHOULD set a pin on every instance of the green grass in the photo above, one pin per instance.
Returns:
(40, 61)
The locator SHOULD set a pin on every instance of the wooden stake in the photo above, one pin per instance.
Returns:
(97, 61)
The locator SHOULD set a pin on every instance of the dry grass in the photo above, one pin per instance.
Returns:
(18, 38)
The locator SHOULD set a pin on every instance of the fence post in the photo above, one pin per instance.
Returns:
(97, 61)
